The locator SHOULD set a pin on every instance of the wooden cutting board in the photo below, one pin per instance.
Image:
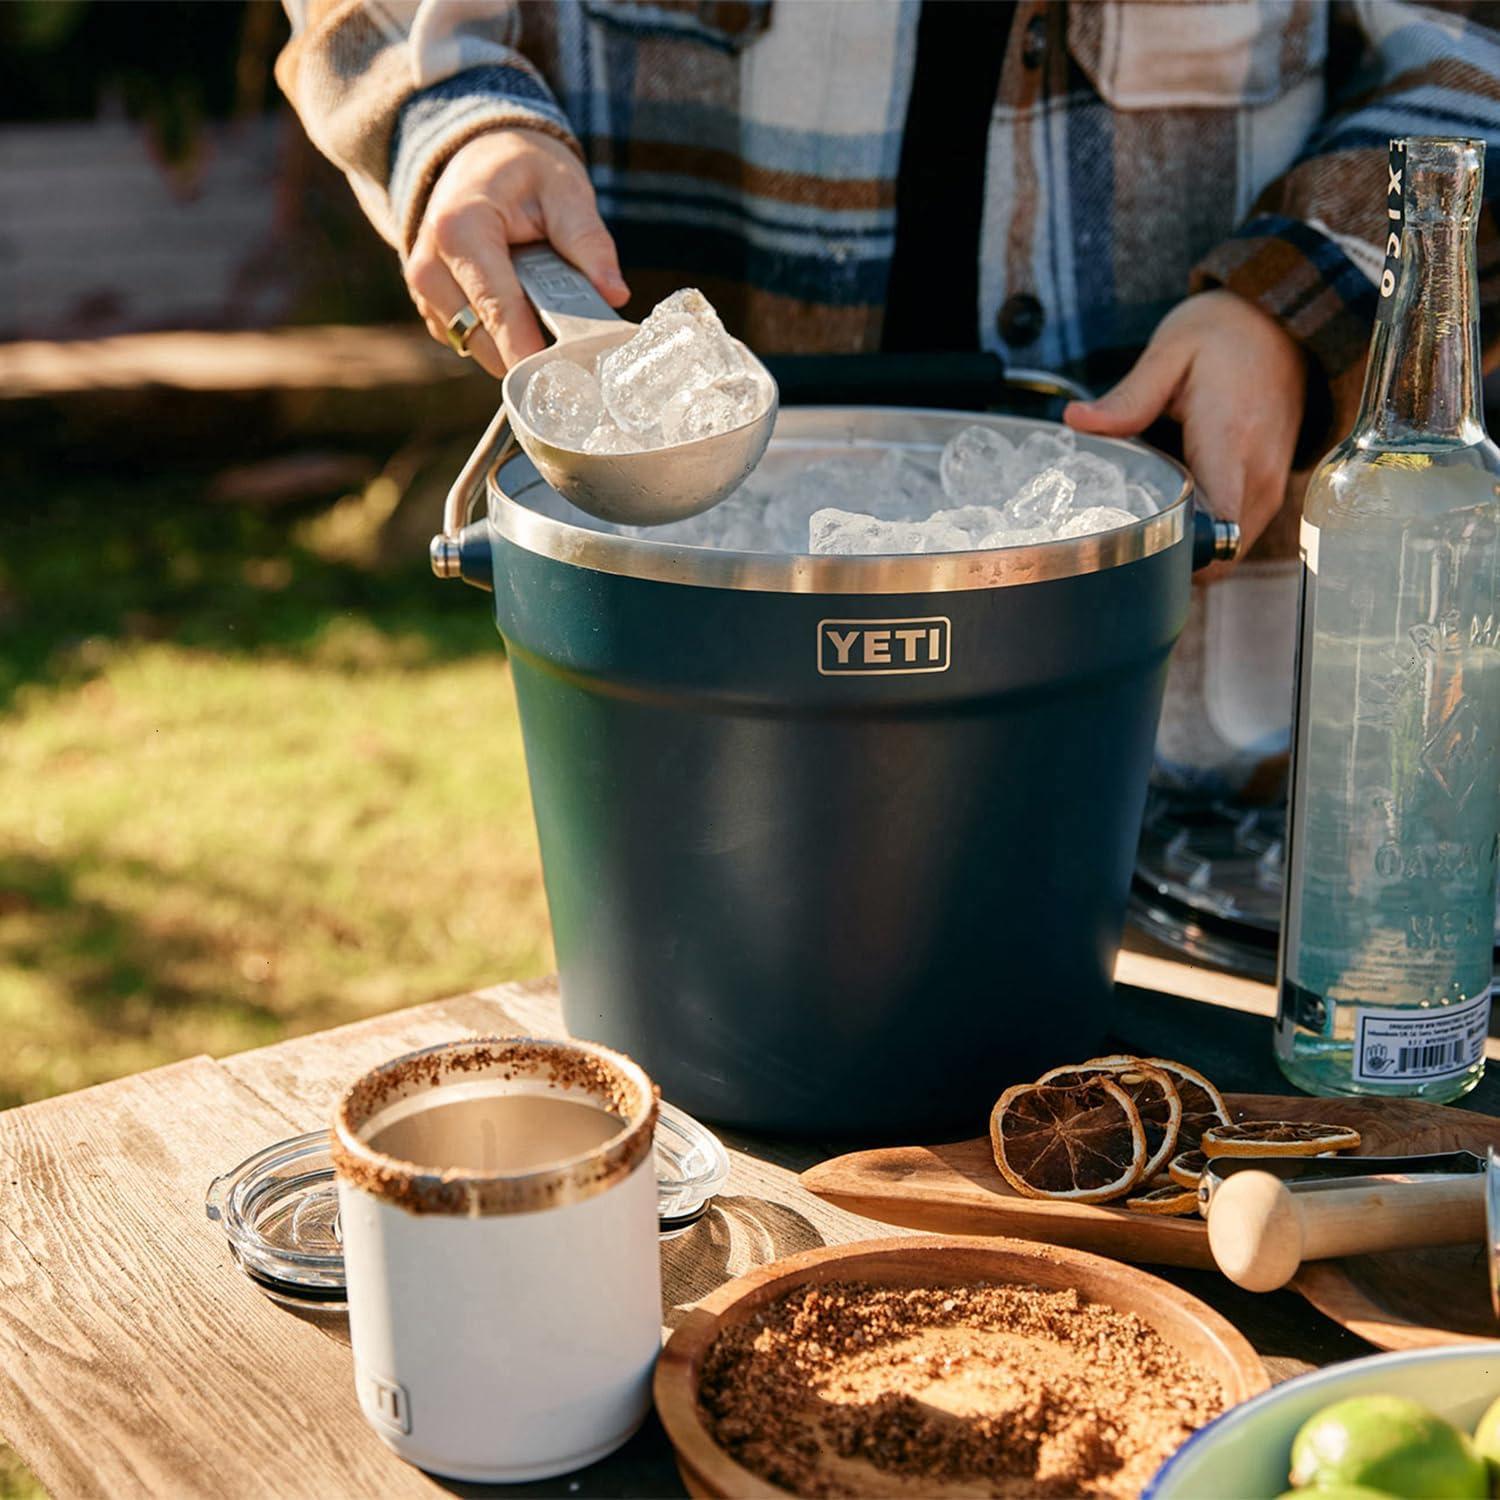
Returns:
(1402, 1300)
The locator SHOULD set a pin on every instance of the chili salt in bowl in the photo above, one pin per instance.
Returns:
(1189, 1326)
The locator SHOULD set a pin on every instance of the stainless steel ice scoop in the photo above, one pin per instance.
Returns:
(630, 489)
(1266, 1215)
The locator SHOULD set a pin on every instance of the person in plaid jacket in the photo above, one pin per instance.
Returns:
(1180, 201)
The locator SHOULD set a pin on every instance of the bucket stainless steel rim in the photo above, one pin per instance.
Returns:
(811, 432)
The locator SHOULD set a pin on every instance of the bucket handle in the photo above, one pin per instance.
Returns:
(447, 549)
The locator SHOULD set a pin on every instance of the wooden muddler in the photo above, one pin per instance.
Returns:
(1260, 1230)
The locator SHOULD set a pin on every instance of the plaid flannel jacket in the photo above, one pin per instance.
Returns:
(1138, 150)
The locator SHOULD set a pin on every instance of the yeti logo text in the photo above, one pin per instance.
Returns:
(883, 648)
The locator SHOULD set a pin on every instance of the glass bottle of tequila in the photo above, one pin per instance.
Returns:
(1388, 927)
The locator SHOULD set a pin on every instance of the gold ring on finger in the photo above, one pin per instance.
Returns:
(460, 330)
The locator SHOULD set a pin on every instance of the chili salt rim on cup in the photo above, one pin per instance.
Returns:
(605, 1077)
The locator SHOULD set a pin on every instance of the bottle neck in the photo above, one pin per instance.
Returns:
(1423, 379)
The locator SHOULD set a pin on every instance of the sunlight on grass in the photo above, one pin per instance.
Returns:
(200, 854)
(17, 1482)
(252, 784)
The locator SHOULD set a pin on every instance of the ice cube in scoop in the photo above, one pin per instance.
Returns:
(562, 403)
(750, 393)
(681, 346)
(607, 438)
(690, 415)
(1095, 518)
(978, 466)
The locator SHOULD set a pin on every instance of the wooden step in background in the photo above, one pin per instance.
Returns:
(189, 398)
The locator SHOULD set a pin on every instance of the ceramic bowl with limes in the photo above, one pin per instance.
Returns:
(1247, 1451)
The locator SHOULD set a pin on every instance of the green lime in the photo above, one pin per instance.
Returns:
(1487, 1437)
(1387, 1443)
(1338, 1492)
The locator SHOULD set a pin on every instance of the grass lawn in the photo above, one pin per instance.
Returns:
(247, 789)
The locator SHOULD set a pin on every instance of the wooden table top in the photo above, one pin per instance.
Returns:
(135, 1358)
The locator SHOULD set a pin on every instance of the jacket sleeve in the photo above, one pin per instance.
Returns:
(1311, 251)
(388, 90)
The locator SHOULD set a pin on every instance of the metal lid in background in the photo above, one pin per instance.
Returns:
(1208, 880)
(279, 1208)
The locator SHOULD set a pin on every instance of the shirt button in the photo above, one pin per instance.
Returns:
(1021, 320)
(1034, 43)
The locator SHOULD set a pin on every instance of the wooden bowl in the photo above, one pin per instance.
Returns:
(1183, 1321)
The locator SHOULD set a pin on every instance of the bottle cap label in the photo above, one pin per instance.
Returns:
(1395, 216)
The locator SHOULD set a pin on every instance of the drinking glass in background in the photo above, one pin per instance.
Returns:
(1226, 721)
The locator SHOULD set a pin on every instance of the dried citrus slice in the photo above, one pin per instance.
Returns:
(1277, 1138)
(1083, 1143)
(1152, 1092)
(1202, 1104)
(1186, 1168)
(1171, 1200)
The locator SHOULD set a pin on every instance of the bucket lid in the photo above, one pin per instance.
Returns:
(280, 1211)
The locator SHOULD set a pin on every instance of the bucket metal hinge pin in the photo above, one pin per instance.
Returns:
(1226, 541)
(447, 557)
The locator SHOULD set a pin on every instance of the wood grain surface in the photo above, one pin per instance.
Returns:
(135, 1359)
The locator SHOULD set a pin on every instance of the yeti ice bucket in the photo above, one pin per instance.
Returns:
(834, 844)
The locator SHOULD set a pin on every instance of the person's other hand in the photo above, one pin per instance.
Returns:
(1236, 381)
(509, 187)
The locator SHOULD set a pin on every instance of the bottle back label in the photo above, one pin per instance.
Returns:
(1395, 215)
(1420, 1046)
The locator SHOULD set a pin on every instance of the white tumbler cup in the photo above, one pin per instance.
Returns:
(498, 1206)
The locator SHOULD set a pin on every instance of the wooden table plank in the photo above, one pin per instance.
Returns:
(763, 1214)
(134, 1358)
(304, 1076)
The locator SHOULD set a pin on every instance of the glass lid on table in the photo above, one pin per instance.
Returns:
(279, 1208)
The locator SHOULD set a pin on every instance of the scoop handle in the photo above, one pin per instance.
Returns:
(564, 298)
(1260, 1230)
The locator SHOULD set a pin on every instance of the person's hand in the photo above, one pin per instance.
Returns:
(508, 187)
(1236, 381)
